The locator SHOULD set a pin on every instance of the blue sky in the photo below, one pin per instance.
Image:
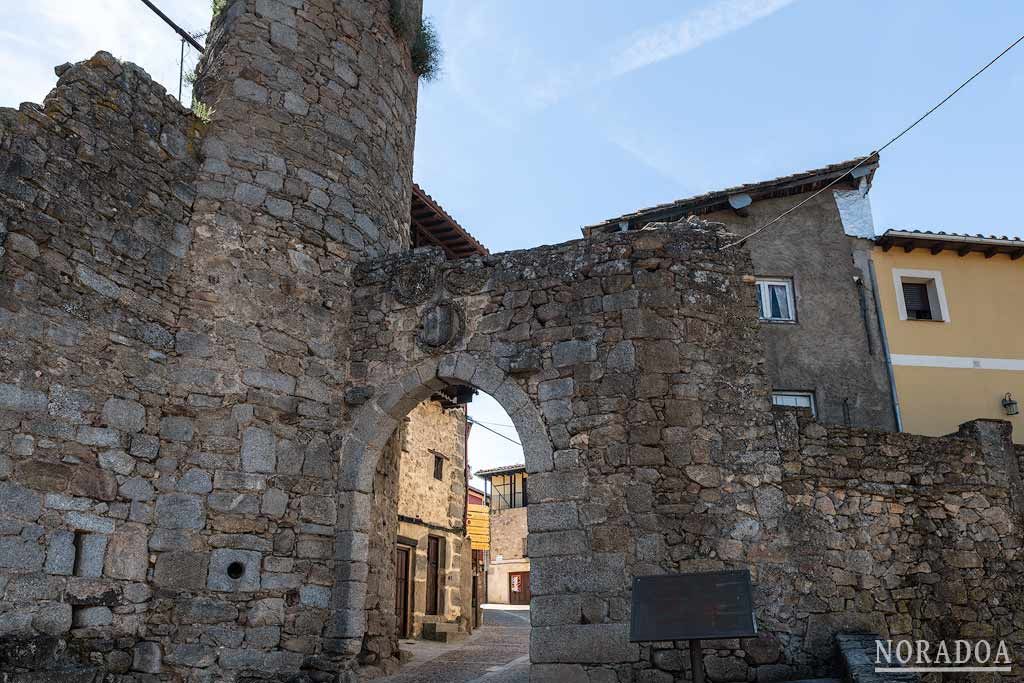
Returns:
(552, 115)
(546, 119)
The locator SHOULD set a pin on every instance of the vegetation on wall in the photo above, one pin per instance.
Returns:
(426, 51)
(218, 6)
(202, 110)
(422, 38)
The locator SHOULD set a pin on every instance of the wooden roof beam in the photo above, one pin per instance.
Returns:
(431, 238)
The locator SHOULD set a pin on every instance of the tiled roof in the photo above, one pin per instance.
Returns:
(431, 225)
(796, 183)
(935, 233)
(504, 469)
(962, 243)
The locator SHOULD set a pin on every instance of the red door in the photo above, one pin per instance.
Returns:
(519, 588)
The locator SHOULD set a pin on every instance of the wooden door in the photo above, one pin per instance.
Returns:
(433, 574)
(472, 615)
(402, 590)
(519, 588)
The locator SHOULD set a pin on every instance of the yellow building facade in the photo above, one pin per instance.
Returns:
(953, 310)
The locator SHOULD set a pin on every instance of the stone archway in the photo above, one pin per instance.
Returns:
(372, 425)
(628, 363)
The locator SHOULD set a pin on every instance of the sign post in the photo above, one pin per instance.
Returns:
(692, 607)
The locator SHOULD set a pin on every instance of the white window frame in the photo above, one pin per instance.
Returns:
(809, 395)
(936, 292)
(762, 286)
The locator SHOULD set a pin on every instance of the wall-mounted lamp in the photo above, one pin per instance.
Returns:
(1010, 404)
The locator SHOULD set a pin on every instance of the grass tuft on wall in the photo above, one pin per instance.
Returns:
(421, 36)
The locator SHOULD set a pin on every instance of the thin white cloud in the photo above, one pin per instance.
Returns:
(698, 28)
(518, 80)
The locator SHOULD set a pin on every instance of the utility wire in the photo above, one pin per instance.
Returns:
(496, 424)
(874, 154)
(185, 35)
(492, 431)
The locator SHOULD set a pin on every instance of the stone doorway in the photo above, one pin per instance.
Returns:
(367, 502)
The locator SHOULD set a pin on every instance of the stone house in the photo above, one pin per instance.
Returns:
(432, 554)
(816, 295)
(508, 561)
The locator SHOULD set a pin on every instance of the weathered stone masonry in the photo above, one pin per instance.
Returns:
(630, 367)
(209, 335)
(98, 186)
(174, 331)
(428, 506)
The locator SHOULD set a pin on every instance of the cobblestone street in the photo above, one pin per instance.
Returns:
(498, 652)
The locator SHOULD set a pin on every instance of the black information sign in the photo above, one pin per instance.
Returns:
(700, 606)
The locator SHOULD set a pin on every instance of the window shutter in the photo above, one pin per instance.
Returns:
(915, 297)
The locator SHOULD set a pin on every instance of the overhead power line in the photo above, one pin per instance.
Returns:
(874, 154)
(185, 35)
(492, 431)
(495, 424)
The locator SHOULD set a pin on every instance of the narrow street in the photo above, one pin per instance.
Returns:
(497, 652)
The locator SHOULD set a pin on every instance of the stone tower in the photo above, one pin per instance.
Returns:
(196, 279)
(314, 120)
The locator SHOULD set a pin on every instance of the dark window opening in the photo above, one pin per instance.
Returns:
(915, 297)
(438, 467)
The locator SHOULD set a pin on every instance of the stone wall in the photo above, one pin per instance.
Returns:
(173, 317)
(508, 533)
(631, 367)
(508, 551)
(901, 535)
(431, 430)
(96, 191)
(314, 125)
(380, 642)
